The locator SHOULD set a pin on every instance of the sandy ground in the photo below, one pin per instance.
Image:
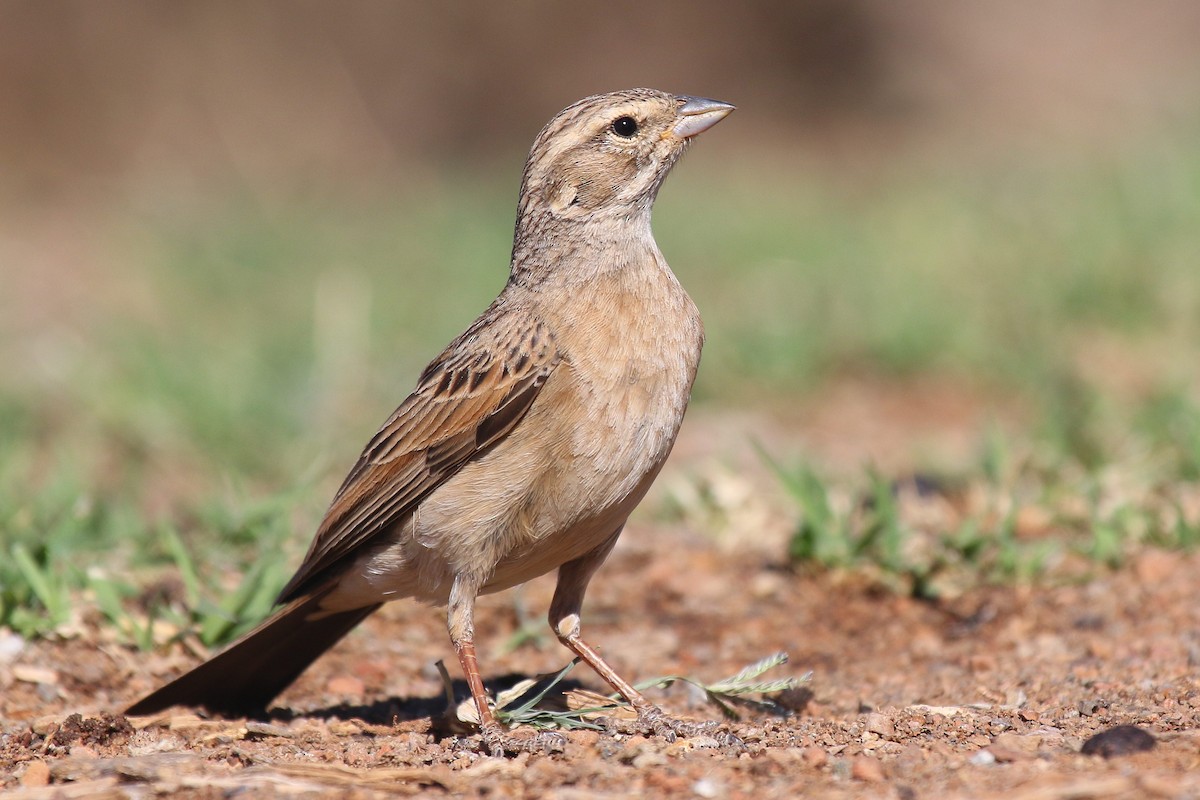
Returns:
(991, 695)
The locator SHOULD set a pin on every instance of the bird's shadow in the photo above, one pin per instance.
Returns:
(394, 710)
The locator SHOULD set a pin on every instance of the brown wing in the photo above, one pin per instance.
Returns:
(468, 399)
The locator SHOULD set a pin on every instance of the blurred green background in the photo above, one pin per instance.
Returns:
(232, 233)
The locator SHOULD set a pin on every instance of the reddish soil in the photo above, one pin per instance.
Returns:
(993, 694)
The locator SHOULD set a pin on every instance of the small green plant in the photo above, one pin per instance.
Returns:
(59, 545)
(1079, 489)
(529, 702)
(530, 630)
(737, 688)
(871, 530)
(822, 536)
(37, 597)
(46, 538)
(1170, 420)
(525, 707)
(112, 597)
(220, 621)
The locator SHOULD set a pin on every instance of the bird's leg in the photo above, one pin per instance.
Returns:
(496, 739)
(573, 578)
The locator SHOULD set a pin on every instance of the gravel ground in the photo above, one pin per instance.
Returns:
(1001, 692)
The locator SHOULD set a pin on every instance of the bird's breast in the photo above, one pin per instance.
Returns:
(630, 357)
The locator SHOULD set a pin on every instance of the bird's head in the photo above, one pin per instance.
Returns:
(606, 155)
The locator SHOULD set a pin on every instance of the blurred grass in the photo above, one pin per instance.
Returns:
(255, 348)
(935, 536)
(995, 273)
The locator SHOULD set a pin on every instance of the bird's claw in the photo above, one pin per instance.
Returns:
(653, 721)
(498, 742)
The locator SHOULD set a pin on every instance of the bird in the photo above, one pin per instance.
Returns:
(527, 442)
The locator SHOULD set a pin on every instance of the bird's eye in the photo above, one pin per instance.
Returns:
(625, 127)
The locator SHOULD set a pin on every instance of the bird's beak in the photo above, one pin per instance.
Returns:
(698, 114)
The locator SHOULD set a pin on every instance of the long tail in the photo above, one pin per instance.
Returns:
(249, 674)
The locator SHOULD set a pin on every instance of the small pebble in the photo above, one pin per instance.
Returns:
(255, 728)
(346, 685)
(881, 724)
(583, 737)
(11, 645)
(785, 756)
(44, 726)
(36, 774)
(31, 674)
(344, 727)
(867, 770)
(982, 758)
(648, 758)
(1119, 741)
(752, 734)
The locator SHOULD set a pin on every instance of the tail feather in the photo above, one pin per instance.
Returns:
(251, 672)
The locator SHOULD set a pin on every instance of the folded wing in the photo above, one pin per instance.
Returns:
(469, 398)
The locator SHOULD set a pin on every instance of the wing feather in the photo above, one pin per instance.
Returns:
(469, 398)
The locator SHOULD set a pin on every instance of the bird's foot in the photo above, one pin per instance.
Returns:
(499, 742)
(653, 721)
